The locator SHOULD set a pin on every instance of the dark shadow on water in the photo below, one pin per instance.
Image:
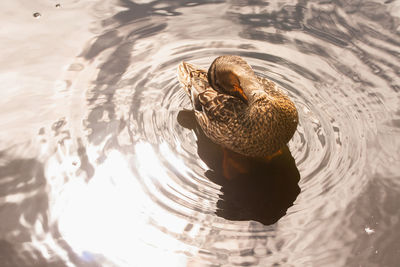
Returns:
(260, 191)
(24, 185)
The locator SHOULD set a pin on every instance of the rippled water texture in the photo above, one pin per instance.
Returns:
(103, 164)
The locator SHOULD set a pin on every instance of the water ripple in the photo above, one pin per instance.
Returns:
(128, 164)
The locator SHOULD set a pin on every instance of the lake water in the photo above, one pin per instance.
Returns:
(102, 163)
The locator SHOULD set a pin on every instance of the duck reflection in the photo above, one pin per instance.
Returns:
(252, 190)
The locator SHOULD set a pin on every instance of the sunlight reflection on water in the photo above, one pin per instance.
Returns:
(109, 216)
(101, 163)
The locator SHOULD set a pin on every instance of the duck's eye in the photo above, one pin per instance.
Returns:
(228, 80)
(231, 85)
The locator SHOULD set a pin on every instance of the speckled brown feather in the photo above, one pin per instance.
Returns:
(257, 128)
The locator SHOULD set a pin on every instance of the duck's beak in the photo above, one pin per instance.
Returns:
(238, 91)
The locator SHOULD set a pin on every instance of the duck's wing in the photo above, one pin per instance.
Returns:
(217, 107)
(270, 87)
(193, 80)
(267, 84)
(209, 105)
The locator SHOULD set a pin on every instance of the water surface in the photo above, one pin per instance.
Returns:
(102, 163)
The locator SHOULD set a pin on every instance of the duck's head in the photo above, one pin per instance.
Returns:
(232, 75)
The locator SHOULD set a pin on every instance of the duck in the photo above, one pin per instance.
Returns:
(237, 109)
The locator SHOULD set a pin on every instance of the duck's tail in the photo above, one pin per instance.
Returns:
(193, 80)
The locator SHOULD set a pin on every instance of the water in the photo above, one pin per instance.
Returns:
(102, 164)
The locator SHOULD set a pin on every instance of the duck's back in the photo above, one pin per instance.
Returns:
(258, 130)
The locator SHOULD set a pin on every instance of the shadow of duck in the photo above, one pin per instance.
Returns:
(254, 190)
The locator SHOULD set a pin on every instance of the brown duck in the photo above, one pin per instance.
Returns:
(237, 109)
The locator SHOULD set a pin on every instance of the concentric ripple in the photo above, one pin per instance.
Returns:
(329, 146)
(131, 180)
(337, 110)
